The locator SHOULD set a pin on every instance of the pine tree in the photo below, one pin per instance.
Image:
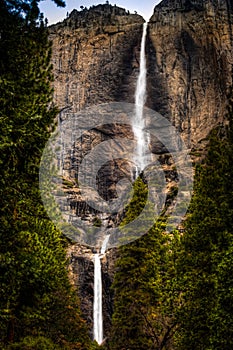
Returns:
(144, 287)
(221, 318)
(37, 303)
(206, 250)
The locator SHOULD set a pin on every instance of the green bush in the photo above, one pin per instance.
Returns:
(35, 343)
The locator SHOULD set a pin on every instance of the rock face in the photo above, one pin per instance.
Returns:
(190, 64)
(96, 60)
(94, 57)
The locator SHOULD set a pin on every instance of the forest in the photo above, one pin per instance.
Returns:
(171, 291)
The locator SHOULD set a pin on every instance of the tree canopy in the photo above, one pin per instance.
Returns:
(38, 307)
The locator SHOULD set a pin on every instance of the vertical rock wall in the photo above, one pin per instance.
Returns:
(190, 64)
(94, 57)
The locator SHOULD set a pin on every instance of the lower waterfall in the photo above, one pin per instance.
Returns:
(98, 317)
(97, 308)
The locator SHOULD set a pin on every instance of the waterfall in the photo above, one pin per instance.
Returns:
(104, 245)
(97, 309)
(98, 317)
(140, 99)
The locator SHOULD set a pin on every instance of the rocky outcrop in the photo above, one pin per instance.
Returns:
(190, 61)
(94, 57)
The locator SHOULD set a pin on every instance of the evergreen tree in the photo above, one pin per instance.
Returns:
(221, 318)
(144, 287)
(38, 307)
(204, 262)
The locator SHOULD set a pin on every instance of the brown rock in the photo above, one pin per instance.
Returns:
(94, 57)
(189, 52)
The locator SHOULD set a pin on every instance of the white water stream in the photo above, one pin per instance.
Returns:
(140, 99)
(98, 318)
(97, 308)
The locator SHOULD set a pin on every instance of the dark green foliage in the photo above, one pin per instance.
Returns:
(38, 308)
(144, 286)
(222, 329)
(35, 343)
(25, 94)
(205, 267)
(137, 203)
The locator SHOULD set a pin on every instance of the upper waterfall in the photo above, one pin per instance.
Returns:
(140, 99)
(140, 93)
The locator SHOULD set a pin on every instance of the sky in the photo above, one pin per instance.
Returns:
(56, 14)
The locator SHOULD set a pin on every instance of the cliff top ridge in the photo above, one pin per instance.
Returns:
(106, 14)
(188, 5)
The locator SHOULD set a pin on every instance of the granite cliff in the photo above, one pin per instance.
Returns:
(96, 60)
(190, 64)
(94, 56)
